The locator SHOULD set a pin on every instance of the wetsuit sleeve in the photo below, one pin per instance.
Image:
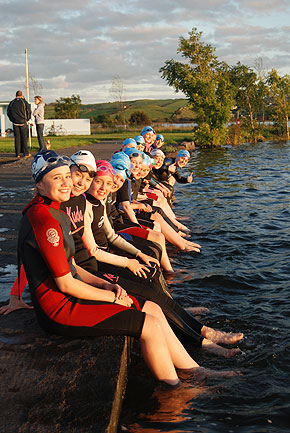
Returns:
(116, 240)
(49, 237)
(178, 178)
(92, 247)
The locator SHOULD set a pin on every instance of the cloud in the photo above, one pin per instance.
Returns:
(77, 47)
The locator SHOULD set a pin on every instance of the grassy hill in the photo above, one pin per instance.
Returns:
(159, 110)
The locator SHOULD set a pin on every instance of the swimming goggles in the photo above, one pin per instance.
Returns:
(122, 167)
(104, 168)
(53, 160)
(84, 169)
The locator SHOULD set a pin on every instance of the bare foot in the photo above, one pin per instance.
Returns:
(220, 336)
(201, 373)
(213, 348)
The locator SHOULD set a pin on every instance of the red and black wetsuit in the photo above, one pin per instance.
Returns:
(46, 248)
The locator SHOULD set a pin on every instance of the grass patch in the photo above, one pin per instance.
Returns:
(171, 137)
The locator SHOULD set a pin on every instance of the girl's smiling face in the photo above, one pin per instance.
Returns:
(56, 184)
(81, 181)
(158, 161)
(101, 187)
(118, 182)
(136, 164)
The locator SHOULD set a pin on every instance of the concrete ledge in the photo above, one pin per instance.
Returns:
(56, 384)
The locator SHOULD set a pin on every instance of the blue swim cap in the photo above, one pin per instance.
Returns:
(132, 152)
(139, 140)
(121, 167)
(123, 156)
(129, 141)
(147, 129)
(159, 137)
(183, 153)
(147, 160)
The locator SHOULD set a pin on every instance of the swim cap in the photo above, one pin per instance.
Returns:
(132, 152)
(121, 168)
(148, 161)
(183, 153)
(83, 157)
(147, 129)
(45, 161)
(104, 168)
(139, 140)
(157, 152)
(129, 141)
(159, 137)
(123, 156)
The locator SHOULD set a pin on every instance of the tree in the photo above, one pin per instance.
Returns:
(249, 93)
(139, 118)
(68, 108)
(35, 85)
(279, 88)
(205, 82)
(118, 91)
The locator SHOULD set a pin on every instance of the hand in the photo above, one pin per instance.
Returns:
(189, 179)
(14, 304)
(146, 207)
(172, 168)
(119, 291)
(137, 268)
(126, 302)
(147, 259)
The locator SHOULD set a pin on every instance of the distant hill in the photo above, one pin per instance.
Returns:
(159, 110)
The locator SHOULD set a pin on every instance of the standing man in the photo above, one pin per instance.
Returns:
(19, 113)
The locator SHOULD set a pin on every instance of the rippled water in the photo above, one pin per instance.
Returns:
(238, 209)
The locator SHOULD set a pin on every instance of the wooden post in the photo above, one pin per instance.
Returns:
(27, 94)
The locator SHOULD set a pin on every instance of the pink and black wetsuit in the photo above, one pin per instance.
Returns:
(46, 248)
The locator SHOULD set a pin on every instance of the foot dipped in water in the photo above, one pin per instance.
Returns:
(213, 348)
(191, 246)
(201, 373)
(220, 336)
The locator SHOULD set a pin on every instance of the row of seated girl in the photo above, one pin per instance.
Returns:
(86, 279)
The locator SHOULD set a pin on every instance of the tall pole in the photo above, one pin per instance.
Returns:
(27, 93)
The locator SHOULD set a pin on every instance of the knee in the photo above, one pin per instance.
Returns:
(152, 328)
(153, 309)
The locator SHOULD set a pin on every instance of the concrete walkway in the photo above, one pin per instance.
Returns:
(52, 384)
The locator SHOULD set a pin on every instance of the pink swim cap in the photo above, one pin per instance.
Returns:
(104, 168)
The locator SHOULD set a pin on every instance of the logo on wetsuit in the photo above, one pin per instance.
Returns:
(52, 237)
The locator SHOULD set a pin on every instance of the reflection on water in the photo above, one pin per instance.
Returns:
(239, 212)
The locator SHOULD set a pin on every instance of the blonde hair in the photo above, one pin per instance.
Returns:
(39, 98)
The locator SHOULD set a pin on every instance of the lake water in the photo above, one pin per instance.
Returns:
(238, 210)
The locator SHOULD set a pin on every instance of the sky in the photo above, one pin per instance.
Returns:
(79, 46)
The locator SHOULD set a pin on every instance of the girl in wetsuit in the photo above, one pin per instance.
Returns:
(183, 322)
(70, 301)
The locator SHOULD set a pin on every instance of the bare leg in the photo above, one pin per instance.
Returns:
(179, 356)
(220, 336)
(211, 347)
(173, 237)
(159, 238)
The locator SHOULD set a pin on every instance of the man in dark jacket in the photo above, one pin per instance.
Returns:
(19, 113)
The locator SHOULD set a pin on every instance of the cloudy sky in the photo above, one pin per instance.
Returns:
(77, 46)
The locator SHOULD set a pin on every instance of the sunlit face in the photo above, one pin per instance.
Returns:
(149, 138)
(158, 143)
(181, 161)
(140, 147)
(144, 171)
(36, 100)
(136, 162)
(101, 187)
(118, 182)
(81, 180)
(56, 184)
(158, 161)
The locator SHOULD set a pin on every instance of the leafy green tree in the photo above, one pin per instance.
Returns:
(68, 108)
(279, 88)
(139, 118)
(205, 82)
(249, 93)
